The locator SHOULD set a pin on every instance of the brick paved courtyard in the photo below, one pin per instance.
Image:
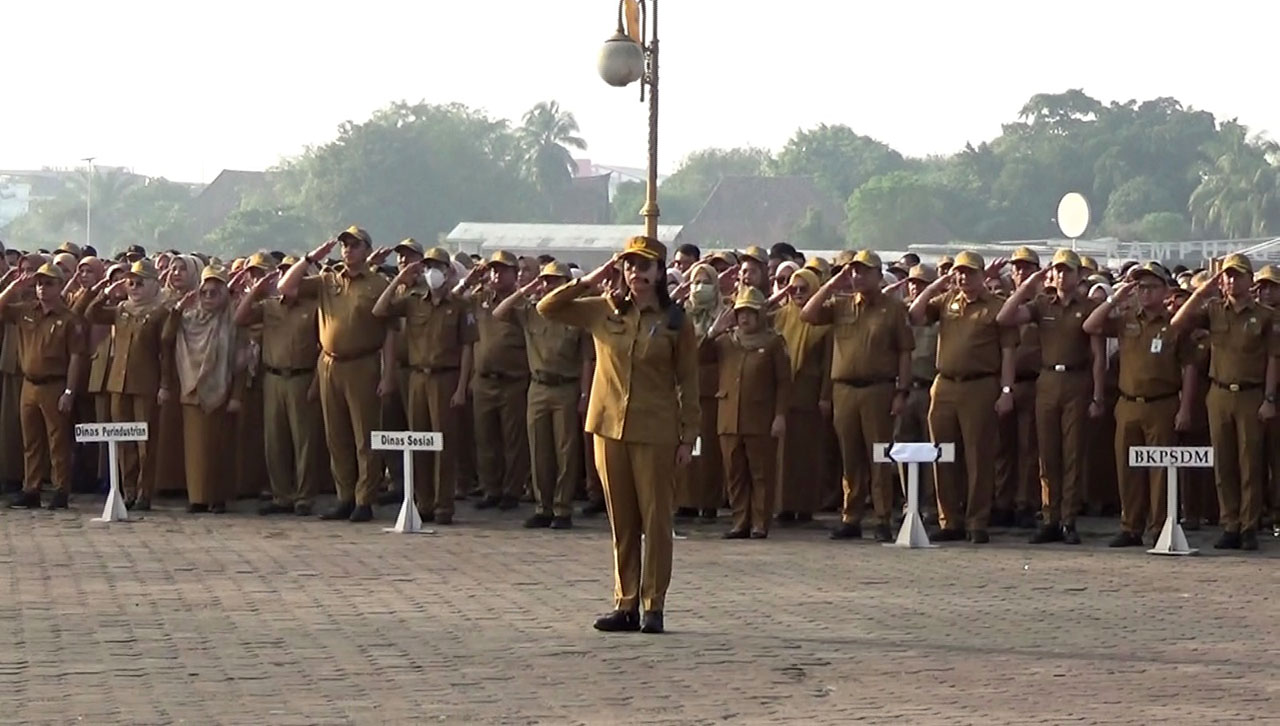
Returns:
(243, 620)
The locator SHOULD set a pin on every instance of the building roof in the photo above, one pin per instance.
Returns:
(759, 210)
(494, 235)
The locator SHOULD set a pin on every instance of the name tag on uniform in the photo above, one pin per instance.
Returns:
(1157, 345)
(955, 307)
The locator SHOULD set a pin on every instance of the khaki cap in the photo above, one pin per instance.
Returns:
(355, 233)
(503, 257)
(757, 253)
(650, 249)
(144, 268)
(290, 261)
(922, 273)
(1151, 269)
(1238, 262)
(70, 248)
(555, 269)
(843, 257)
(819, 265)
(1088, 263)
(726, 256)
(749, 298)
(49, 269)
(261, 261)
(867, 258)
(409, 245)
(438, 254)
(1067, 258)
(1269, 273)
(969, 259)
(1025, 254)
(214, 272)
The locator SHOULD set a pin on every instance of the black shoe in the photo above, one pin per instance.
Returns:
(129, 502)
(341, 510)
(59, 501)
(1249, 539)
(709, 515)
(508, 503)
(1025, 519)
(302, 509)
(979, 536)
(1191, 524)
(428, 516)
(618, 621)
(391, 497)
(1002, 518)
(488, 502)
(142, 504)
(1228, 541)
(948, 535)
(445, 518)
(651, 622)
(759, 534)
(218, 508)
(25, 500)
(1047, 533)
(1126, 539)
(538, 521)
(786, 517)
(362, 513)
(1070, 535)
(736, 534)
(271, 508)
(593, 508)
(686, 512)
(884, 533)
(565, 522)
(847, 530)
(194, 508)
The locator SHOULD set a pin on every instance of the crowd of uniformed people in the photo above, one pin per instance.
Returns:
(756, 381)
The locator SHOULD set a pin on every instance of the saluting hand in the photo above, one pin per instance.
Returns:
(379, 256)
(1123, 291)
(321, 252)
(260, 287)
(188, 300)
(1036, 279)
(410, 272)
(998, 264)
(601, 273)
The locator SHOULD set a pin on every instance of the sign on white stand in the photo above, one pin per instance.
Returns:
(112, 434)
(1172, 540)
(409, 521)
(912, 534)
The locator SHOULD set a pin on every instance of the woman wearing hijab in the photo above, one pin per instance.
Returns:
(179, 278)
(700, 486)
(203, 333)
(90, 459)
(803, 451)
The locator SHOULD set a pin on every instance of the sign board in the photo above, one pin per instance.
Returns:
(1178, 457)
(904, 452)
(1073, 215)
(408, 440)
(94, 432)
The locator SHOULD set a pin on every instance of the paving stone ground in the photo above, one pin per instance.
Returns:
(238, 619)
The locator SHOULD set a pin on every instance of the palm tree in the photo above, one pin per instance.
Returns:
(1238, 193)
(546, 136)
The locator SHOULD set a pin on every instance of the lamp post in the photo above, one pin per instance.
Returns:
(625, 59)
(88, 207)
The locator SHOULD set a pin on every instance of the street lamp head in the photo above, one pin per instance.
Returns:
(621, 61)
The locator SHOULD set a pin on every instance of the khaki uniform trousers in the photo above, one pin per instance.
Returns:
(801, 461)
(293, 438)
(594, 490)
(638, 493)
(502, 435)
(750, 464)
(1017, 483)
(84, 457)
(1102, 487)
(393, 413)
(171, 460)
(435, 474)
(1062, 401)
(137, 460)
(863, 418)
(251, 476)
(913, 425)
(701, 485)
(1143, 496)
(11, 447)
(206, 437)
(350, 406)
(1197, 492)
(1273, 465)
(468, 475)
(46, 436)
(1239, 461)
(963, 413)
(555, 445)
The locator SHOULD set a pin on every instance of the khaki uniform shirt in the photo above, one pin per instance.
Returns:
(645, 387)
(1063, 341)
(970, 340)
(755, 384)
(348, 328)
(555, 349)
(140, 361)
(1241, 340)
(868, 334)
(435, 332)
(501, 349)
(46, 340)
(290, 333)
(811, 344)
(1151, 352)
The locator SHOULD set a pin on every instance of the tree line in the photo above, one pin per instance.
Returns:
(1153, 170)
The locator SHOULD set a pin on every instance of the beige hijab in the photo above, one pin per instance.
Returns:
(192, 277)
(205, 354)
(703, 315)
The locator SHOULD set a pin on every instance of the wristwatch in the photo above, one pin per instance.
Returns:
(1271, 398)
(1006, 389)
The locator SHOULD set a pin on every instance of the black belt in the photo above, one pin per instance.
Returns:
(552, 379)
(966, 378)
(1063, 368)
(500, 376)
(1236, 387)
(864, 382)
(1025, 377)
(346, 358)
(288, 372)
(428, 370)
(1147, 399)
(43, 380)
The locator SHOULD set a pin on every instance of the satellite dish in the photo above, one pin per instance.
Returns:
(1073, 215)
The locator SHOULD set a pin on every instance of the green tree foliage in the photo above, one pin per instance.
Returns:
(250, 229)
(684, 192)
(838, 159)
(627, 201)
(894, 210)
(814, 233)
(546, 138)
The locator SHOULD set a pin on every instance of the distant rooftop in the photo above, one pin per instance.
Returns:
(586, 244)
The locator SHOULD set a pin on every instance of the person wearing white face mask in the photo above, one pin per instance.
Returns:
(440, 331)
(700, 486)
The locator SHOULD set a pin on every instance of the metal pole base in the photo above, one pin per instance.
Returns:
(114, 509)
(409, 521)
(1172, 541)
(912, 534)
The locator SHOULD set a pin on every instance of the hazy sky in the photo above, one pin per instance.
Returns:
(170, 90)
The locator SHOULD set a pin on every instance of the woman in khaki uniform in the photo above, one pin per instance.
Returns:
(644, 414)
(753, 395)
(203, 334)
(179, 278)
(802, 455)
(700, 486)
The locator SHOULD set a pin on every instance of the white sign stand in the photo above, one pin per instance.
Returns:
(112, 434)
(912, 534)
(1172, 540)
(409, 521)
